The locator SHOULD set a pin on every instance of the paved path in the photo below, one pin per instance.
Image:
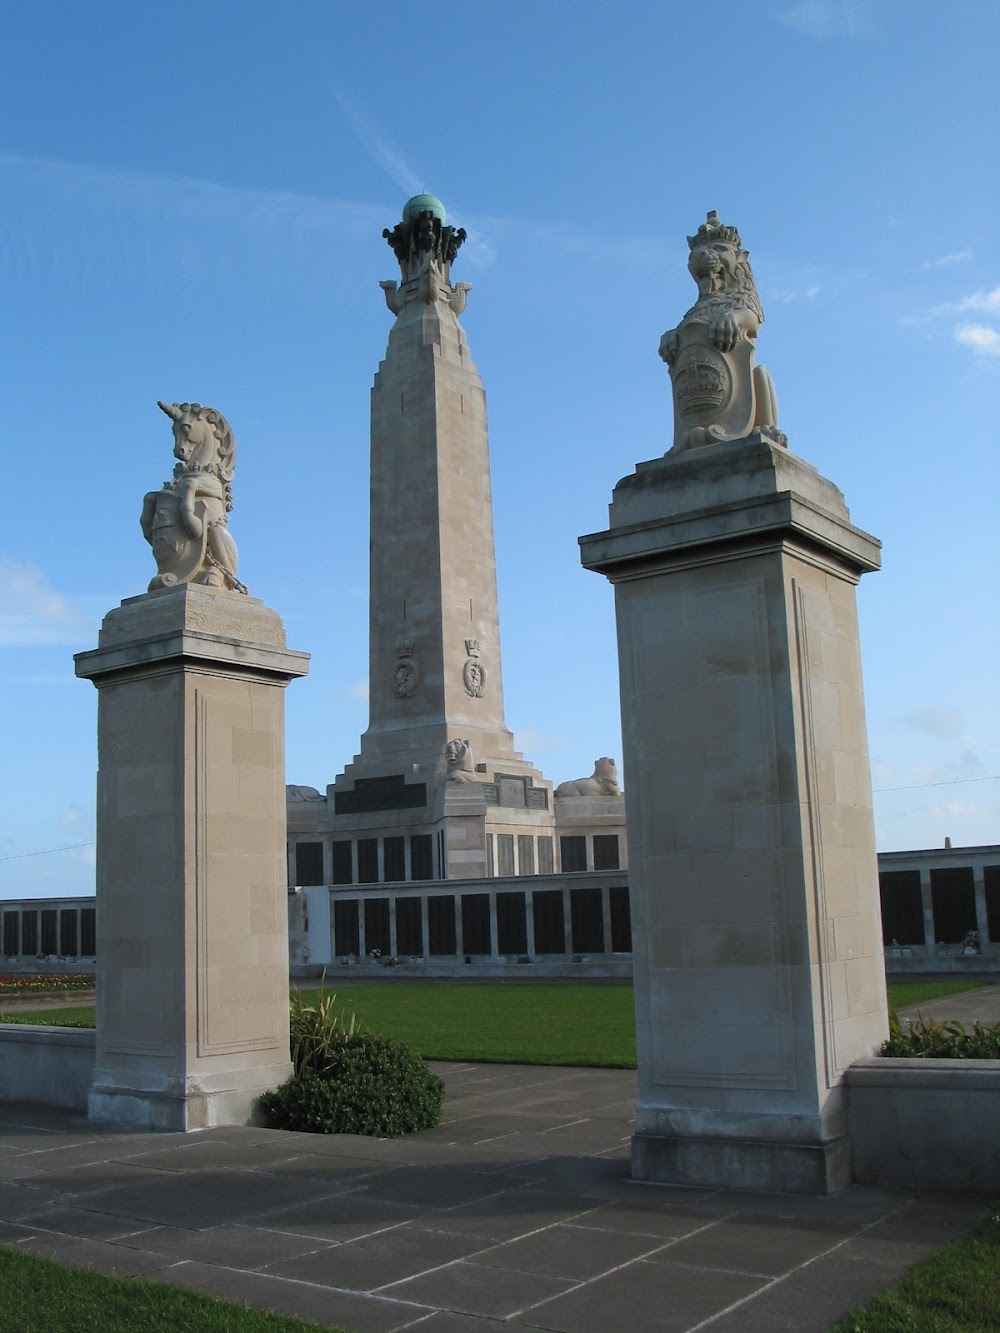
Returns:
(516, 1213)
(982, 1004)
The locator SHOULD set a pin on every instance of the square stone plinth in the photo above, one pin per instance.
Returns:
(756, 931)
(192, 944)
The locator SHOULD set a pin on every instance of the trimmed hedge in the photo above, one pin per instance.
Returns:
(369, 1085)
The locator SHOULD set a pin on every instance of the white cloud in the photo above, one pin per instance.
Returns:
(983, 340)
(947, 261)
(32, 612)
(359, 690)
(823, 19)
(937, 720)
(986, 303)
(71, 816)
(378, 145)
(980, 303)
(957, 810)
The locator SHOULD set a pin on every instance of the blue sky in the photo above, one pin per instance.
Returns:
(193, 201)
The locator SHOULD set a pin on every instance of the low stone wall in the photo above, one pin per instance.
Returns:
(49, 1065)
(938, 962)
(925, 1124)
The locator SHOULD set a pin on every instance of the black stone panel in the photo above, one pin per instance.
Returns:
(394, 852)
(88, 932)
(421, 856)
(621, 919)
(409, 934)
(512, 923)
(586, 920)
(346, 935)
(441, 924)
(371, 795)
(68, 932)
(991, 882)
(953, 895)
(368, 860)
(343, 866)
(538, 798)
(902, 907)
(29, 933)
(549, 920)
(50, 929)
(377, 925)
(573, 851)
(476, 923)
(606, 851)
(11, 933)
(308, 863)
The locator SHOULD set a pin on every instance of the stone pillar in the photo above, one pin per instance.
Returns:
(192, 995)
(757, 945)
(982, 916)
(927, 900)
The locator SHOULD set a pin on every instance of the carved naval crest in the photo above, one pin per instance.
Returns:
(406, 677)
(474, 673)
(719, 393)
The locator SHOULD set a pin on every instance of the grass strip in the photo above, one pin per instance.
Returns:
(42, 1296)
(569, 1023)
(956, 1290)
(916, 992)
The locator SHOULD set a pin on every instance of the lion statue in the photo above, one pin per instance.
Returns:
(461, 767)
(186, 522)
(298, 793)
(719, 393)
(602, 782)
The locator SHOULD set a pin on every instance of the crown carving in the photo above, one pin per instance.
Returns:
(404, 647)
(473, 647)
(700, 386)
(714, 229)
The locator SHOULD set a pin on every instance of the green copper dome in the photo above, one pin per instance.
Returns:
(424, 203)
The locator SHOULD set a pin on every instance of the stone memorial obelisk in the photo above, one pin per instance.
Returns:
(436, 735)
(758, 953)
(192, 936)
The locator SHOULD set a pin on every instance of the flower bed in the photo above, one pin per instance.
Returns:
(38, 984)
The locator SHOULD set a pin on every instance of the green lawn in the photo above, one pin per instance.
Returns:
(956, 1290)
(41, 1296)
(571, 1023)
(917, 992)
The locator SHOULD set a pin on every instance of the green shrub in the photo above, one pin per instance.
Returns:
(940, 1041)
(369, 1085)
(317, 1033)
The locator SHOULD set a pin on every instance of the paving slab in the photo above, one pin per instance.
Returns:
(517, 1212)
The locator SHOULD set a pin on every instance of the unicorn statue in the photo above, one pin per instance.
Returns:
(186, 523)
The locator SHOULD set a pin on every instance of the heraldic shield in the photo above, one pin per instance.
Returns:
(178, 555)
(713, 391)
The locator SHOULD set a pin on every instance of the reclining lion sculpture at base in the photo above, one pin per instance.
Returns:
(602, 782)
(461, 767)
(719, 393)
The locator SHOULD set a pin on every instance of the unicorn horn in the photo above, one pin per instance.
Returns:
(171, 409)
